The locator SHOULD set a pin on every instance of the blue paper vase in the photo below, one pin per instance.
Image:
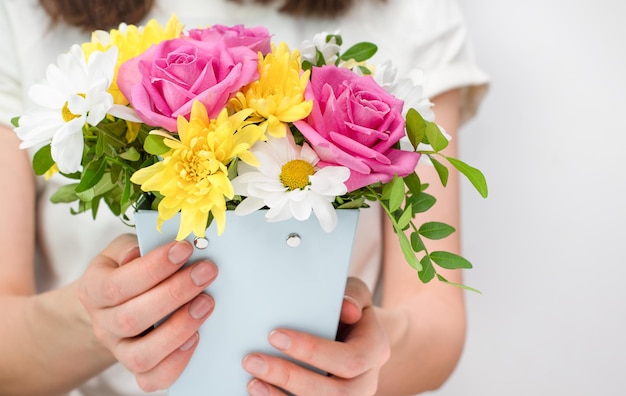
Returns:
(264, 282)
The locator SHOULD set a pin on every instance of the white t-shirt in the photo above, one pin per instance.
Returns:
(426, 34)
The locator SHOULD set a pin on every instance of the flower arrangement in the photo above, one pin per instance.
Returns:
(221, 118)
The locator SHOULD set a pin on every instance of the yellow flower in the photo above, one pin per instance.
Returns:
(131, 41)
(193, 176)
(277, 97)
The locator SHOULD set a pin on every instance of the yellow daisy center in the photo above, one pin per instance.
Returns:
(67, 114)
(295, 174)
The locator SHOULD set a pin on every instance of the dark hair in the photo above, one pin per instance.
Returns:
(96, 14)
(107, 14)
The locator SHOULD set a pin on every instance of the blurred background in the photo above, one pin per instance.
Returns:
(549, 244)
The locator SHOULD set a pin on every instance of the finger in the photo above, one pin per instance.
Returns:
(357, 296)
(364, 348)
(109, 284)
(169, 369)
(278, 373)
(144, 354)
(135, 315)
(258, 387)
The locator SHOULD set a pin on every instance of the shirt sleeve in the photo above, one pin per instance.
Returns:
(428, 35)
(449, 61)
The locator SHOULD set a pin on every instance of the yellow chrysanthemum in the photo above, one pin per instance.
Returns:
(193, 176)
(131, 41)
(277, 97)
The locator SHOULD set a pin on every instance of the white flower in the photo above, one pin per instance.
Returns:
(74, 94)
(288, 182)
(411, 91)
(329, 49)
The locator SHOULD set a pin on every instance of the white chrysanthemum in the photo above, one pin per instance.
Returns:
(74, 94)
(288, 182)
(329, 49)
(411, 91)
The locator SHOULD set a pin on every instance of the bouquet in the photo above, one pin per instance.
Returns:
(206, 120)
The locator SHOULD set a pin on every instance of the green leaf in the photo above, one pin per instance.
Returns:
(415, 127)
(395, 189)
(366, 71)
(359, 52)
(42, 160)
(441, 169)
(15, 121)
(91, 175)
(436, 139)
(435, 230)
(65, 194)
(406, 217)
(319, 58)
(450, 260)
(131, 155)
(337, 37)
(407, 251)
(354, 204)
(154, 145)
(416, 242)
(421, 203)
(428, 271)
(444, 280)
(474, 175)
(100, 145)
(413, 183)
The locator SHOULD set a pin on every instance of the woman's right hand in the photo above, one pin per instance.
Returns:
(126, 294)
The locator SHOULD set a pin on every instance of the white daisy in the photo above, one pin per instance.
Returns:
(288, 182)
(74, 94)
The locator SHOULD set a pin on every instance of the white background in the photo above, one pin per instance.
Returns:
(549, 244)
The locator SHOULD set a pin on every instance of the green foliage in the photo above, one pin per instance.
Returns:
(109, 161)
(474, 175)
(42, 160)
(359, 52)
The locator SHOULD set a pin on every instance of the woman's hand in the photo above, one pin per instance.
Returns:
(125, 295)
(353, 363)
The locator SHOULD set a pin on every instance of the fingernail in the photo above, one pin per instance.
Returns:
(189, 343)
(280, 340)
(180, 252)
(202, 273)
(258, 388)
(254, 364)
(201, 306)
(353, 302)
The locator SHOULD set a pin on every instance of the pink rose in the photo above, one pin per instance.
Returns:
(356, 123)
(163, 82)
(256, 38)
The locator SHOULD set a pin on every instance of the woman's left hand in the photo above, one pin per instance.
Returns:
(353, 363)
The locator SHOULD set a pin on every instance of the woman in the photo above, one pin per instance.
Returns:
(80, 307)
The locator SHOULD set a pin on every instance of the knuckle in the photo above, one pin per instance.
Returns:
(125, 323)
(135, 362)
(282, 376)
(177, 292)
(111, 291)
(356, 366)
